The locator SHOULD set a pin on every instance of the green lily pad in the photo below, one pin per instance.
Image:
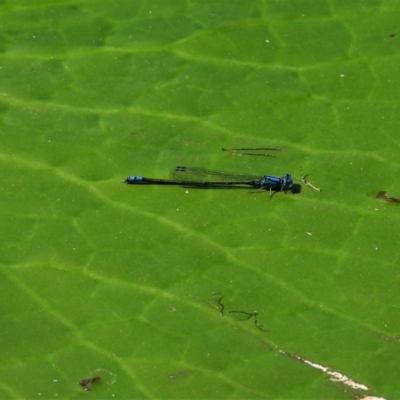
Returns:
(170, 292)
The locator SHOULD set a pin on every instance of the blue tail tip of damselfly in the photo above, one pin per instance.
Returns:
(133, 179)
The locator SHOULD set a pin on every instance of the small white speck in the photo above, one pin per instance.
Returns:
(309, 233)
(342, 76)
(267, 40)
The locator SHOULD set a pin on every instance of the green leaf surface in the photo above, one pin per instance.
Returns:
(167, 292)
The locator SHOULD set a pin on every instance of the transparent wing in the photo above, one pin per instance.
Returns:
(201, 175)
